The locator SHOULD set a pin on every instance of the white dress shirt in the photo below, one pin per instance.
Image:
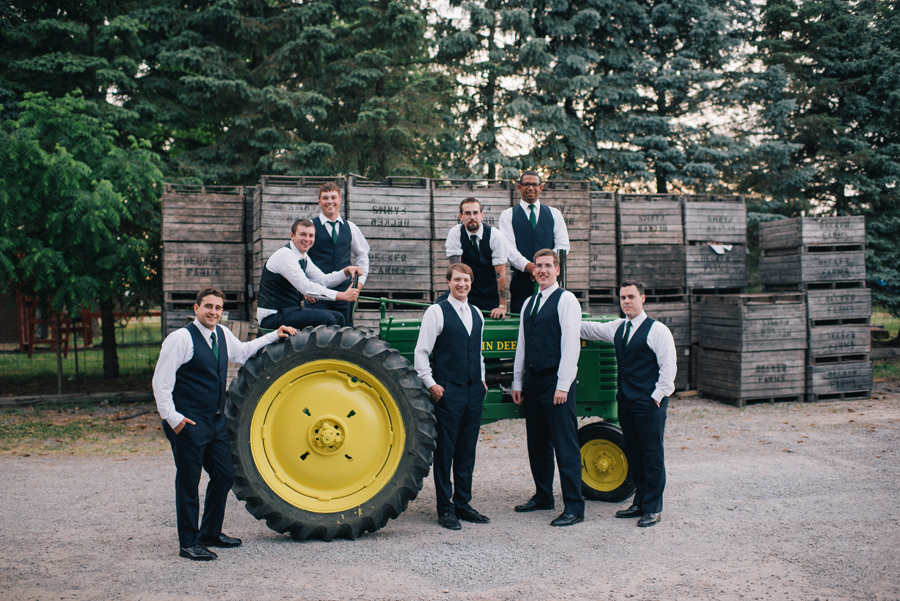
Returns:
(499, 252)
(569, 310)
(178, 348)
(359, 248)
(432, 326)
(560, 232)
(659, 339)
(286, 262)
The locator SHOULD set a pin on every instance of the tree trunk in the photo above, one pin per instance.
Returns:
(896, 341)
(110, 349)
(59, 367)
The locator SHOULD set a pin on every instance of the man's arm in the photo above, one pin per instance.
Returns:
(570, 345)
(560, 231)
(592, 330)
(515, 257)
(359, 247)
(177, 349)
(502, 287)
(519, 364)
(661, 342)
(432, 325)
(239, 352)
(332, 279)
(308, 284)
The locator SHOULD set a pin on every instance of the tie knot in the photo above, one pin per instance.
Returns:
(212, 336)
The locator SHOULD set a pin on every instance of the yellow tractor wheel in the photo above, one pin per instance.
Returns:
(332, 433)
(604, 468)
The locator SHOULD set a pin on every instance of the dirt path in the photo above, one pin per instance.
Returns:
(790, 502)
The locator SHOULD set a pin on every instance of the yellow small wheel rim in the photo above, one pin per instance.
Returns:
(603, 465)
(327, 436)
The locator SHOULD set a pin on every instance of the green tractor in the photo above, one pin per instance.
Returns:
(332, 432)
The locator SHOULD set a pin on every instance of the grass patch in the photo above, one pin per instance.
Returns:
(886, 369)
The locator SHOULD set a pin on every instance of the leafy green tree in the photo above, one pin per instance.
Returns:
(68, 201)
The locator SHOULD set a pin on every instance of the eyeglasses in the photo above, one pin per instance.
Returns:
(530, 185)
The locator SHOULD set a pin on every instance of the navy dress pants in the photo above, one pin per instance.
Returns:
(552, 428)
(458, 416)
(643, 426)
(300, 317)
(201, 446)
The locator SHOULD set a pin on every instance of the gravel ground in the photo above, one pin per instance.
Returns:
(782, 501)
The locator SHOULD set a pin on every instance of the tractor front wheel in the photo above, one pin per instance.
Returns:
(332, 433)
(604, 468)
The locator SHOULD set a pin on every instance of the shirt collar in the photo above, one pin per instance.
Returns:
(323, 219)
(525, 205)
(296, 250)
(459, 306)
(550, 290)
(203, 329)
(637, 321)
(479, 233)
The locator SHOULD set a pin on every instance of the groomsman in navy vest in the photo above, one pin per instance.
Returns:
(452, 330)
(336, 240)
(544, 373)
(482, 248)
(290, 275)
(189, 386)
(529, 227)
(645, 355)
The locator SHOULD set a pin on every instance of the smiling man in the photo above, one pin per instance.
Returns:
(189, 387)
(337, 241)
(290, 274)
(645, 356)
(452, 329)
(529, 227)
(544, 374)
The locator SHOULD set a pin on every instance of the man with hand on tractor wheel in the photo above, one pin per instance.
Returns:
(189, 386)
(290, 274)
(453, 330)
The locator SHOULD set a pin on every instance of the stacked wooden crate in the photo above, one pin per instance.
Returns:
(278, 201)
(203, 246)
(715, 238)
(651, 250)
(395, 217)
(446, 194)
(825, 258)
(573, 200)
(603, 291)
(752, 347)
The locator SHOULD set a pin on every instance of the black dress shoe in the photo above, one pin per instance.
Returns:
(533, 505)
(223, 540)
(470, 515)
(632, 512)
(649, 519)
(449, 521)
(197, 553)
(567, 519)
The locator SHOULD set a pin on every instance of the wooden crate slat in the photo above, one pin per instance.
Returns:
(721, 220)
(839, 378)
(845, 303)
(189, 264)
(790, 268)
(840, 340)
(750, 375)
(752, 322)
(656, 265)
(793, 233)
(676, 317)
(643, 221)
(706, 268)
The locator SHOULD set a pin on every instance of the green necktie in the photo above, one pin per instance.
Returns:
(333, 231)
(303, 265)
(475, 243)
(215, 345)
(537, 303)
(532, 218)
(627, 330)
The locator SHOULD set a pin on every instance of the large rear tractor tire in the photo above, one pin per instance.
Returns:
(604, 468)
(331, 432)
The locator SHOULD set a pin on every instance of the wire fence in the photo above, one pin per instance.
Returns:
(138, 341)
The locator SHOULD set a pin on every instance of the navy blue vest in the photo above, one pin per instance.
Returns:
(327, 255)
(200, 383)
(484, 293)
(638, 366)
(543, 334)
(275, 292)
(457, 354)
(528, 240)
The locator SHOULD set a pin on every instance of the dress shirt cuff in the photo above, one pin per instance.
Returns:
(174, 419)
(429, 382)
(658, 395)
(563, 384)
(517, 385)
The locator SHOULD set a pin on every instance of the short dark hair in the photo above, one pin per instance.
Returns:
(304, 222)
(209, 292)
(546, 252)
(329, 187)
(467, 201)
(530, 172)
(635, 283)
(460, 267)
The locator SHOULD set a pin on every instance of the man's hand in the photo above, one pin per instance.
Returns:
(349, 295)
(309, 300)
(485, 385)
(285, 331)
(517, 397)
(436, 392)
(530, 268)
(560, 397)
(352, 270)
(498, 313)
(180, 426)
